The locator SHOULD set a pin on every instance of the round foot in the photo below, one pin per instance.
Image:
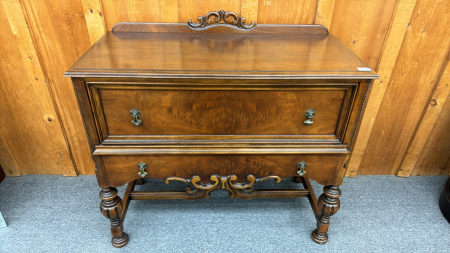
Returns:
(320, 238)
(119, 242)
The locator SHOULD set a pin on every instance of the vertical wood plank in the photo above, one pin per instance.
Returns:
(286, 11)
(394, 40)
(169, 11)
(60, 33)
(93, 12)
(31, 128)
(191, 9)
(7, 159)
(249, 10)
(132, 11)
(432, 113)
(435, 156)
(143, 10)
(362, 26)
(114, 12)
(324, 14)
(425, 48)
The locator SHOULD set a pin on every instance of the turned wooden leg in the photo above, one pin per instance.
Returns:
(111, 207)
(298, 179)
(329, 204)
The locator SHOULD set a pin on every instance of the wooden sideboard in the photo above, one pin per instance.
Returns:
(220, 104)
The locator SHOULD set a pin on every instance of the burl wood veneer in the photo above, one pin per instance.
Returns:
(220, 104)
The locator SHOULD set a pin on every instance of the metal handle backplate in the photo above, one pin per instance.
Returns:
(135, 113)
(302, 166)
(142, 167)
(309, 115)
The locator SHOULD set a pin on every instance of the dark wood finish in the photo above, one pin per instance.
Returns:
(194, 112)
(130, 27)
(219, 56)
(90, 127)
(329, 204)
(220, 106)
(274, 193)
(321, 168)
(127, 198)
(111, 207)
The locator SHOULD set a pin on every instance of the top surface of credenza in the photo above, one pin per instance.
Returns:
(274, 52)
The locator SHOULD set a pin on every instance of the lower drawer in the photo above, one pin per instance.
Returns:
(326, 169)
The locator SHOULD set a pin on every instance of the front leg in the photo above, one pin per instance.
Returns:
(328, 204)
(111, 207)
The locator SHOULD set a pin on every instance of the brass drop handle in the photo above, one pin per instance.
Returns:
(309, 115)
(142, 167)
(301, 165)
(135, 113)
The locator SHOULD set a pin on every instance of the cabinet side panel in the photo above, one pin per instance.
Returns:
(90, 127)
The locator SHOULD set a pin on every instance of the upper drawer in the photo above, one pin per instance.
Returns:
(237, 111)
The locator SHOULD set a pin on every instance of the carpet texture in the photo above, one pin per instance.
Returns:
(378, 214)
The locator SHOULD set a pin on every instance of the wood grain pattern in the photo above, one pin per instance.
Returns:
(249, 10)
(95, 19)
(393, 43)
(365, 37)
(435, 156)
(420, 61)
(374, 30)
(38, 146)
(324, 13)
(238, 121)
(131, 10)
(434, 159)
(123, 169)
(426, 129)
(246, 56)
(286, 11)
(169, 11)
(59, 29)
(190, 112)
(129, 27)
(7, 159)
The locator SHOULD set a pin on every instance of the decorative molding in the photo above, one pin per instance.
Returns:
(221, 17)
(91, 147)
(237, 190)
(360, 113)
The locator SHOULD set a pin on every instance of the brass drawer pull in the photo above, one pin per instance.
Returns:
(142, 166)
(301, 165)
(309, 114)
(135, 113)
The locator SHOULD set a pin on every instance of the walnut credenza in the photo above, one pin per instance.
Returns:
(220, 104)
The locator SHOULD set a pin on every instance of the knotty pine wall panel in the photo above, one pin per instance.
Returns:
(286, 11)
(409, 57)
(32, 140)
(59, 32)
(434, 159)
(362, 26)
(422, 57)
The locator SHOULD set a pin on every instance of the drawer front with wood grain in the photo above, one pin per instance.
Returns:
(324, 168)
(280, 111)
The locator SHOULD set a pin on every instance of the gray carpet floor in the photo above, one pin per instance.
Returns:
(378, 214)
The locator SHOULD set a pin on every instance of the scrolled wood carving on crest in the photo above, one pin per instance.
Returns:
(221, 17)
